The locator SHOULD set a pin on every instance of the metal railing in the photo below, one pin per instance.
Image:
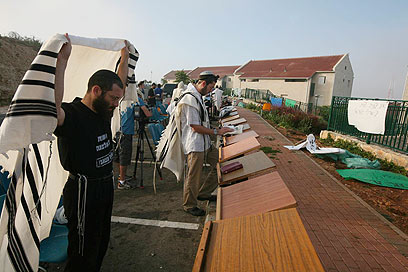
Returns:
(396, 123)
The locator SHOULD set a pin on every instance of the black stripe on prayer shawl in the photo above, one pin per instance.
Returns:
(42, 68)
(48, 53)
(22, 255)
(131, 66)
(38, 159)
(32, 113)
(39, 101)
(133, 57)
(20, 108)
(30, 222)
(37, 83)
(14, 248)
(33, 187)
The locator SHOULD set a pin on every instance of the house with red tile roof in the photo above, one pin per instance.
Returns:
(170, 77)
(308, 80)
(226, 74)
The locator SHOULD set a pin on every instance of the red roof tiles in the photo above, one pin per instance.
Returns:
(217, 70)
(284, 68)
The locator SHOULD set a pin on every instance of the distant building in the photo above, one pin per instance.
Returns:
(226, 74)
(170, 77)
(308, 80)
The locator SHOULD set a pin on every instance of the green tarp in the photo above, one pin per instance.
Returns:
(241, 104)
(376, 177)
(352, 160)
(290, 103)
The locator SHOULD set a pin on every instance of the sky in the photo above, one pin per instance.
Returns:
(178, 34)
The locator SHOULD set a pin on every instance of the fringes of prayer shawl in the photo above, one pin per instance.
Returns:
(169, 150)
(28, 150)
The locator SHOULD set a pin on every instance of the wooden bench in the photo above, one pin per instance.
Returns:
(253, 164)
(234, 150)
(257, 195)
(273, 241)
(239, 137)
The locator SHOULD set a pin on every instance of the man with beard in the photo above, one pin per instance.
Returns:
(85, 149)
(195, 131)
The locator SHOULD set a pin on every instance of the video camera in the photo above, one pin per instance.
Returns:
(140, 115)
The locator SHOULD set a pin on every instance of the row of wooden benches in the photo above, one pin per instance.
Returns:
(257, 226)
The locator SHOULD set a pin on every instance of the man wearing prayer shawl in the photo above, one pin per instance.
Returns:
(85, 147)
(195, 131)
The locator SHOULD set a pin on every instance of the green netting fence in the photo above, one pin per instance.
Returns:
(396, 123)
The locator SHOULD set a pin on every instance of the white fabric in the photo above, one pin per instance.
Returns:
(311, 146)
(367, 115)
(19, 133)
(178, 91)
(170, 148)
(218, 98)
(190, 115)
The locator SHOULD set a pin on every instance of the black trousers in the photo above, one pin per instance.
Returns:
(98, 211)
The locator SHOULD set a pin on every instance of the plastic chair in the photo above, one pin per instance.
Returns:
(163, 109)
(54, 248)
(153, 132)
(4, 182)
(2, 199)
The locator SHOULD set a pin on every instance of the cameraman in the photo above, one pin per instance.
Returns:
(124, 138)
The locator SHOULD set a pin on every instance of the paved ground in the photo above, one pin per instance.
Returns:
(347, 234)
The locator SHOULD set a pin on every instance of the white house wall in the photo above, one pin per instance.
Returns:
(293, 90)
(343, 82)
(323, 90)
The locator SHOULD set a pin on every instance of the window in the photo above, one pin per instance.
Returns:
(254, 80)
(322, 80)
(348, 83)
(345, 67)
(229, 79)
(243, 80)
(295, 80)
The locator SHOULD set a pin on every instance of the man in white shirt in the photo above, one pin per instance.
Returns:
(195, 131)
(217, 96)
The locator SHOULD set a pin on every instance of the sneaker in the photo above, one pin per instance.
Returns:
(123, 186)
(195, 211)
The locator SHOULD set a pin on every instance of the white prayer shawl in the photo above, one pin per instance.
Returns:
(368, 115)
(218, 98)
(28, 150)
(169, 150)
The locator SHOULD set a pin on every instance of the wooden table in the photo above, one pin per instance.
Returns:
(239, 137)
(257, 195)
(234, 122)
(273, 241)
(253, 164)
(234, 150)
(229, 118)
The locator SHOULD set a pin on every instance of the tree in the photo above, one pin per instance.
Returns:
(181, 76)
(164, 82)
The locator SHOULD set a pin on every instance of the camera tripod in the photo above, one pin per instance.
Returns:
(141, 133)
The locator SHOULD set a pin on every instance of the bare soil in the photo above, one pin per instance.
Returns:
(389, 202)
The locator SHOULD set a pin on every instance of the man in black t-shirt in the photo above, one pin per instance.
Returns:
(85, 148)
(151, 98)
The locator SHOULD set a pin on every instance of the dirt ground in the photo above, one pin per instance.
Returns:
(389, 202)
(151, 248)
